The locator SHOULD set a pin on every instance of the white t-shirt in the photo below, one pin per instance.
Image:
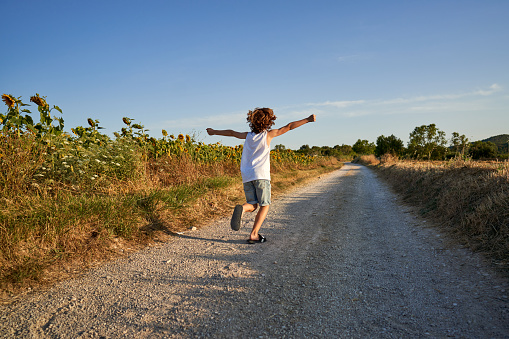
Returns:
(255, 162)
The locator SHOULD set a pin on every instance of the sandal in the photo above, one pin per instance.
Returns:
(261, 239)
(236, 217)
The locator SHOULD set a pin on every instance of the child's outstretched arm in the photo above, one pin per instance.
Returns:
(227, 133)
(293, 125)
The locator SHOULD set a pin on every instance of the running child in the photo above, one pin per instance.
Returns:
(255, 165)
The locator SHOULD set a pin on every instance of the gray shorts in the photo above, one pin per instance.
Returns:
(257, 192)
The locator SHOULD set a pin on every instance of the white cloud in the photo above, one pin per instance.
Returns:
(493, 89)
(418, 99)
(442, 103)
(359, 113)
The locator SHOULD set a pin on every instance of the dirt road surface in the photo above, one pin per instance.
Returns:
(344, 259)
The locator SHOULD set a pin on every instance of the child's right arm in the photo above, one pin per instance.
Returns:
(227, 133)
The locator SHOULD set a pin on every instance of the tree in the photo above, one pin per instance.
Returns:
(363, 147)
(502, 142)
(280, 147)
(304, 148)
(459, 143)
(344, 149)
(390, 144)
(315, 150)
(483, 150)
(427, 141)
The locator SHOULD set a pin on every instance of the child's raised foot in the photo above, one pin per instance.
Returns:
(237, 217)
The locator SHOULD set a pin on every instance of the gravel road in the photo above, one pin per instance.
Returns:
(343, 258)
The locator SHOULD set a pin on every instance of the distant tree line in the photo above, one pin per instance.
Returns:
(426, 142)
(341, 152)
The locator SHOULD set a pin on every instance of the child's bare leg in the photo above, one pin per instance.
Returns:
(247, 207)
(259, 219)
(238, 212)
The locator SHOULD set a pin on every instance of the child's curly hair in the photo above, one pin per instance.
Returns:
(260, 119)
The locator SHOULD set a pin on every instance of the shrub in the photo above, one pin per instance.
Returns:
(367, 160)
(388, 158)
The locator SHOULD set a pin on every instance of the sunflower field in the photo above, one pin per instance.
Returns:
(87, 156)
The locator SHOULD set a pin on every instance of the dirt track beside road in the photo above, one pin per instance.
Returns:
(344, 258)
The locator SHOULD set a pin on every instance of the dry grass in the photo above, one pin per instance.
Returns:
(367, 160)
(470, 199)
(388, 159)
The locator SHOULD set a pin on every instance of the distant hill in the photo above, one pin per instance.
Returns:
(502, 142)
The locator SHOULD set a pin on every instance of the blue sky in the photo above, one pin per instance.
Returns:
(365, 68)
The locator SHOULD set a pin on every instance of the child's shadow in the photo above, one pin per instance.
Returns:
(157, 225)
(229, 241)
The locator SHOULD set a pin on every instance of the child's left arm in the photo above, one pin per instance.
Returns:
(227, 133)
(293, 125)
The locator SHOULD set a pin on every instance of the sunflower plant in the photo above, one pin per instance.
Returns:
(46, 125)
(90, 135)
(13, 119)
